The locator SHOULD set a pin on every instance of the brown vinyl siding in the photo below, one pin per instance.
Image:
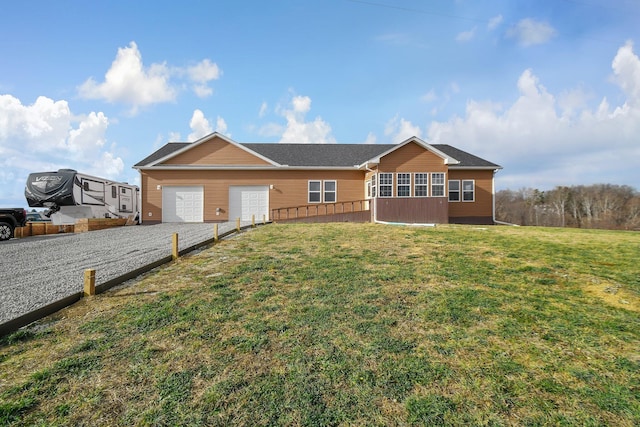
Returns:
(412, 210)
(412, 158)
(290, 188)
(483, 204)
(215, 152)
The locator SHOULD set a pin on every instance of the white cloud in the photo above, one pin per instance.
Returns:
(264, 107)
(46, 135)
(201, 74)
(494, 22)
(221, 126)
(298, 130)
(626, 69)
(130, 82)
(530, 32)
(466, 36)
(543, 140)
(400, 129)
(199, 125)
(371, 138)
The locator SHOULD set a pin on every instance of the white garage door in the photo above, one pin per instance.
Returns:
(182, 204)
(245, 201)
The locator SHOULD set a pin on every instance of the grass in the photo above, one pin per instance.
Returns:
(348, 324)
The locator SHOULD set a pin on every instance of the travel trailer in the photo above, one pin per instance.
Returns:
(70, 195)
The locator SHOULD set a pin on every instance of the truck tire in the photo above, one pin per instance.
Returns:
(6, 231)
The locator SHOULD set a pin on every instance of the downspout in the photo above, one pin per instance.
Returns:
(493, 196)
(375, 199)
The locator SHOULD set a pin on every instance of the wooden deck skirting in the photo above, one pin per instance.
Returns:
(319, 210)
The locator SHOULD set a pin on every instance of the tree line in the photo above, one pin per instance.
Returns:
(604, 206)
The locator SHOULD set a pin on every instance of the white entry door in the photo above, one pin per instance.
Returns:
(248, 200)
(182, 204)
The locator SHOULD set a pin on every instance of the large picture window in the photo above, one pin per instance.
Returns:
(329, 191)
(421, 185)
(404, 185)
(468, 190)
(315, 195)
(385, 184)
(454, 190)
(437, 184)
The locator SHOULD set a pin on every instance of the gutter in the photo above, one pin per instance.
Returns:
(493, 207)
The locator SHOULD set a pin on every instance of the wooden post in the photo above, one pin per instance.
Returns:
(174, 247)
(238, 224)
(215, 233)
(264, 219)
(89, 282)
(253, 221)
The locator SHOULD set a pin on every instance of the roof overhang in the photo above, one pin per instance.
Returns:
(244, 168)
(475, 168)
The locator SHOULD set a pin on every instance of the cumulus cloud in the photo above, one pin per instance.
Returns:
(200, 126)
(201, 74)
(46, 135)
(626, 69)
(298, 130)
(400, 130)
(545, 140)
(371, 138)
(128, 81)
(529, 32)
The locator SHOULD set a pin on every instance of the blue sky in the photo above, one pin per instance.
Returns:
(549, 89)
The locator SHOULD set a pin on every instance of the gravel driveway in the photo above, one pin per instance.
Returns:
(37, 271)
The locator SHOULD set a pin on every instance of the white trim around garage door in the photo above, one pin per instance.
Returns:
(182, 203)
(248, 200)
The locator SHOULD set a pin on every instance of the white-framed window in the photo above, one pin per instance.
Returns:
(373, 186)
(468, 190)
(421, 184)
(403, 188)
(454, 190)
(437, 184)
(385, 184)
(315, 192)
(330, 191)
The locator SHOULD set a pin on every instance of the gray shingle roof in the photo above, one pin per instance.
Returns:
(332, 155)
(325, 155)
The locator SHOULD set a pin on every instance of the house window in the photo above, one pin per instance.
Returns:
(386, 184)
(437, 184)
(330, 191)
(421, 188)
(373, 186)
(404, 185)
(454, 190)
(315, 194)
(468, 190)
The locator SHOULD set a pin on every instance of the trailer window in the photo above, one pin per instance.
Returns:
(114, 191)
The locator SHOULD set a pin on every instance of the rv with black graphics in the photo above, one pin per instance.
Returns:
(71, 195)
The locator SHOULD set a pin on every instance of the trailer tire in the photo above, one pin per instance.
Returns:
(6, 231)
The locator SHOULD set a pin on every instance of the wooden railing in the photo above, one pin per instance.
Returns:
(319, 209)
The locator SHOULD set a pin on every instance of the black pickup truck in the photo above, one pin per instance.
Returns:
(10, 218)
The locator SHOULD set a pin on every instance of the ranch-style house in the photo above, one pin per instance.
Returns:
(216, 179)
